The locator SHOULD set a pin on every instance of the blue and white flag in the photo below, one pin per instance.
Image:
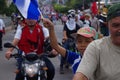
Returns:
(28, 8)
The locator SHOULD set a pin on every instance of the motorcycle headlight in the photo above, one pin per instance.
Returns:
(31, 69)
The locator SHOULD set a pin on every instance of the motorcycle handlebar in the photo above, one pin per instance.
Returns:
(16, 55)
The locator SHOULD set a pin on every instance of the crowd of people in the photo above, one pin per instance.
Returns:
(75, 20)
(91, 58)
(101, 57)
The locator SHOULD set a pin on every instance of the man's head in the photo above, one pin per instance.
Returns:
(113, 18)
(84, 36)
(31, 22)
(20, 19)
(71, 16)
(87, 16)
(92, 15)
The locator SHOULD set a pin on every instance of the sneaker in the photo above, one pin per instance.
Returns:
(61, 71)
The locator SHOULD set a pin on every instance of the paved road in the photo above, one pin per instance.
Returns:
(7, 67)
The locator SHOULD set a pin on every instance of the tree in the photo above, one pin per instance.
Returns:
(78, 4)
(61, 8)
(3, 6)
(74, 4)
(9, 10)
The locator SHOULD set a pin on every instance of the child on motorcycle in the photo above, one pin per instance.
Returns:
(84, 36)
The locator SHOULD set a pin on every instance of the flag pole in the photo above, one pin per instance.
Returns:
(41, 15)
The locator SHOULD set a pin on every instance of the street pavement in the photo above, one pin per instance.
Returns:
(7, 67)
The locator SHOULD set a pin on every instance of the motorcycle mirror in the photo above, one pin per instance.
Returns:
(9, 45)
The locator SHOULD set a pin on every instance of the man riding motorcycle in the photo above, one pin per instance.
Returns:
(31, 39)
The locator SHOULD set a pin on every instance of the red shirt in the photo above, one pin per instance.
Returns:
(32, 42)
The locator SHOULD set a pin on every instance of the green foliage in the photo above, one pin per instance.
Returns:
(61, 8)
(9, 10)
(2, 6)
(108, 6)
(77, 4)
(72, 4)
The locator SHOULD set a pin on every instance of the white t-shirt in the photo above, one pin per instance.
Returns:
(101, 60)
(2, 25)
(19, 32)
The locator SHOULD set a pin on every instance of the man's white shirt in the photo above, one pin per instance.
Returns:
(19, 32)
(2, 25)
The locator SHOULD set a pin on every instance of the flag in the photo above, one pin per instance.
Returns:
(94, 8)
(28, 8)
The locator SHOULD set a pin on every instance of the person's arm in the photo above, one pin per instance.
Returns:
(3, 26)
(46, 32)
(14, 42)
(79, 76)
(9, 51)
(53, 40)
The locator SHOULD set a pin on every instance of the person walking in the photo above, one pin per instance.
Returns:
(70, 27)
(102, 57)
(95, 22)
(103, 24)
(2, 31)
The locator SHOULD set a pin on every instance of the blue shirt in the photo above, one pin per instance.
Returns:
(73, 58)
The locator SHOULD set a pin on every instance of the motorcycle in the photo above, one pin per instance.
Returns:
(33, 66)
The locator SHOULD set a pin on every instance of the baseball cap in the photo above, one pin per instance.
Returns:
(113, 11)
(87, 32)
